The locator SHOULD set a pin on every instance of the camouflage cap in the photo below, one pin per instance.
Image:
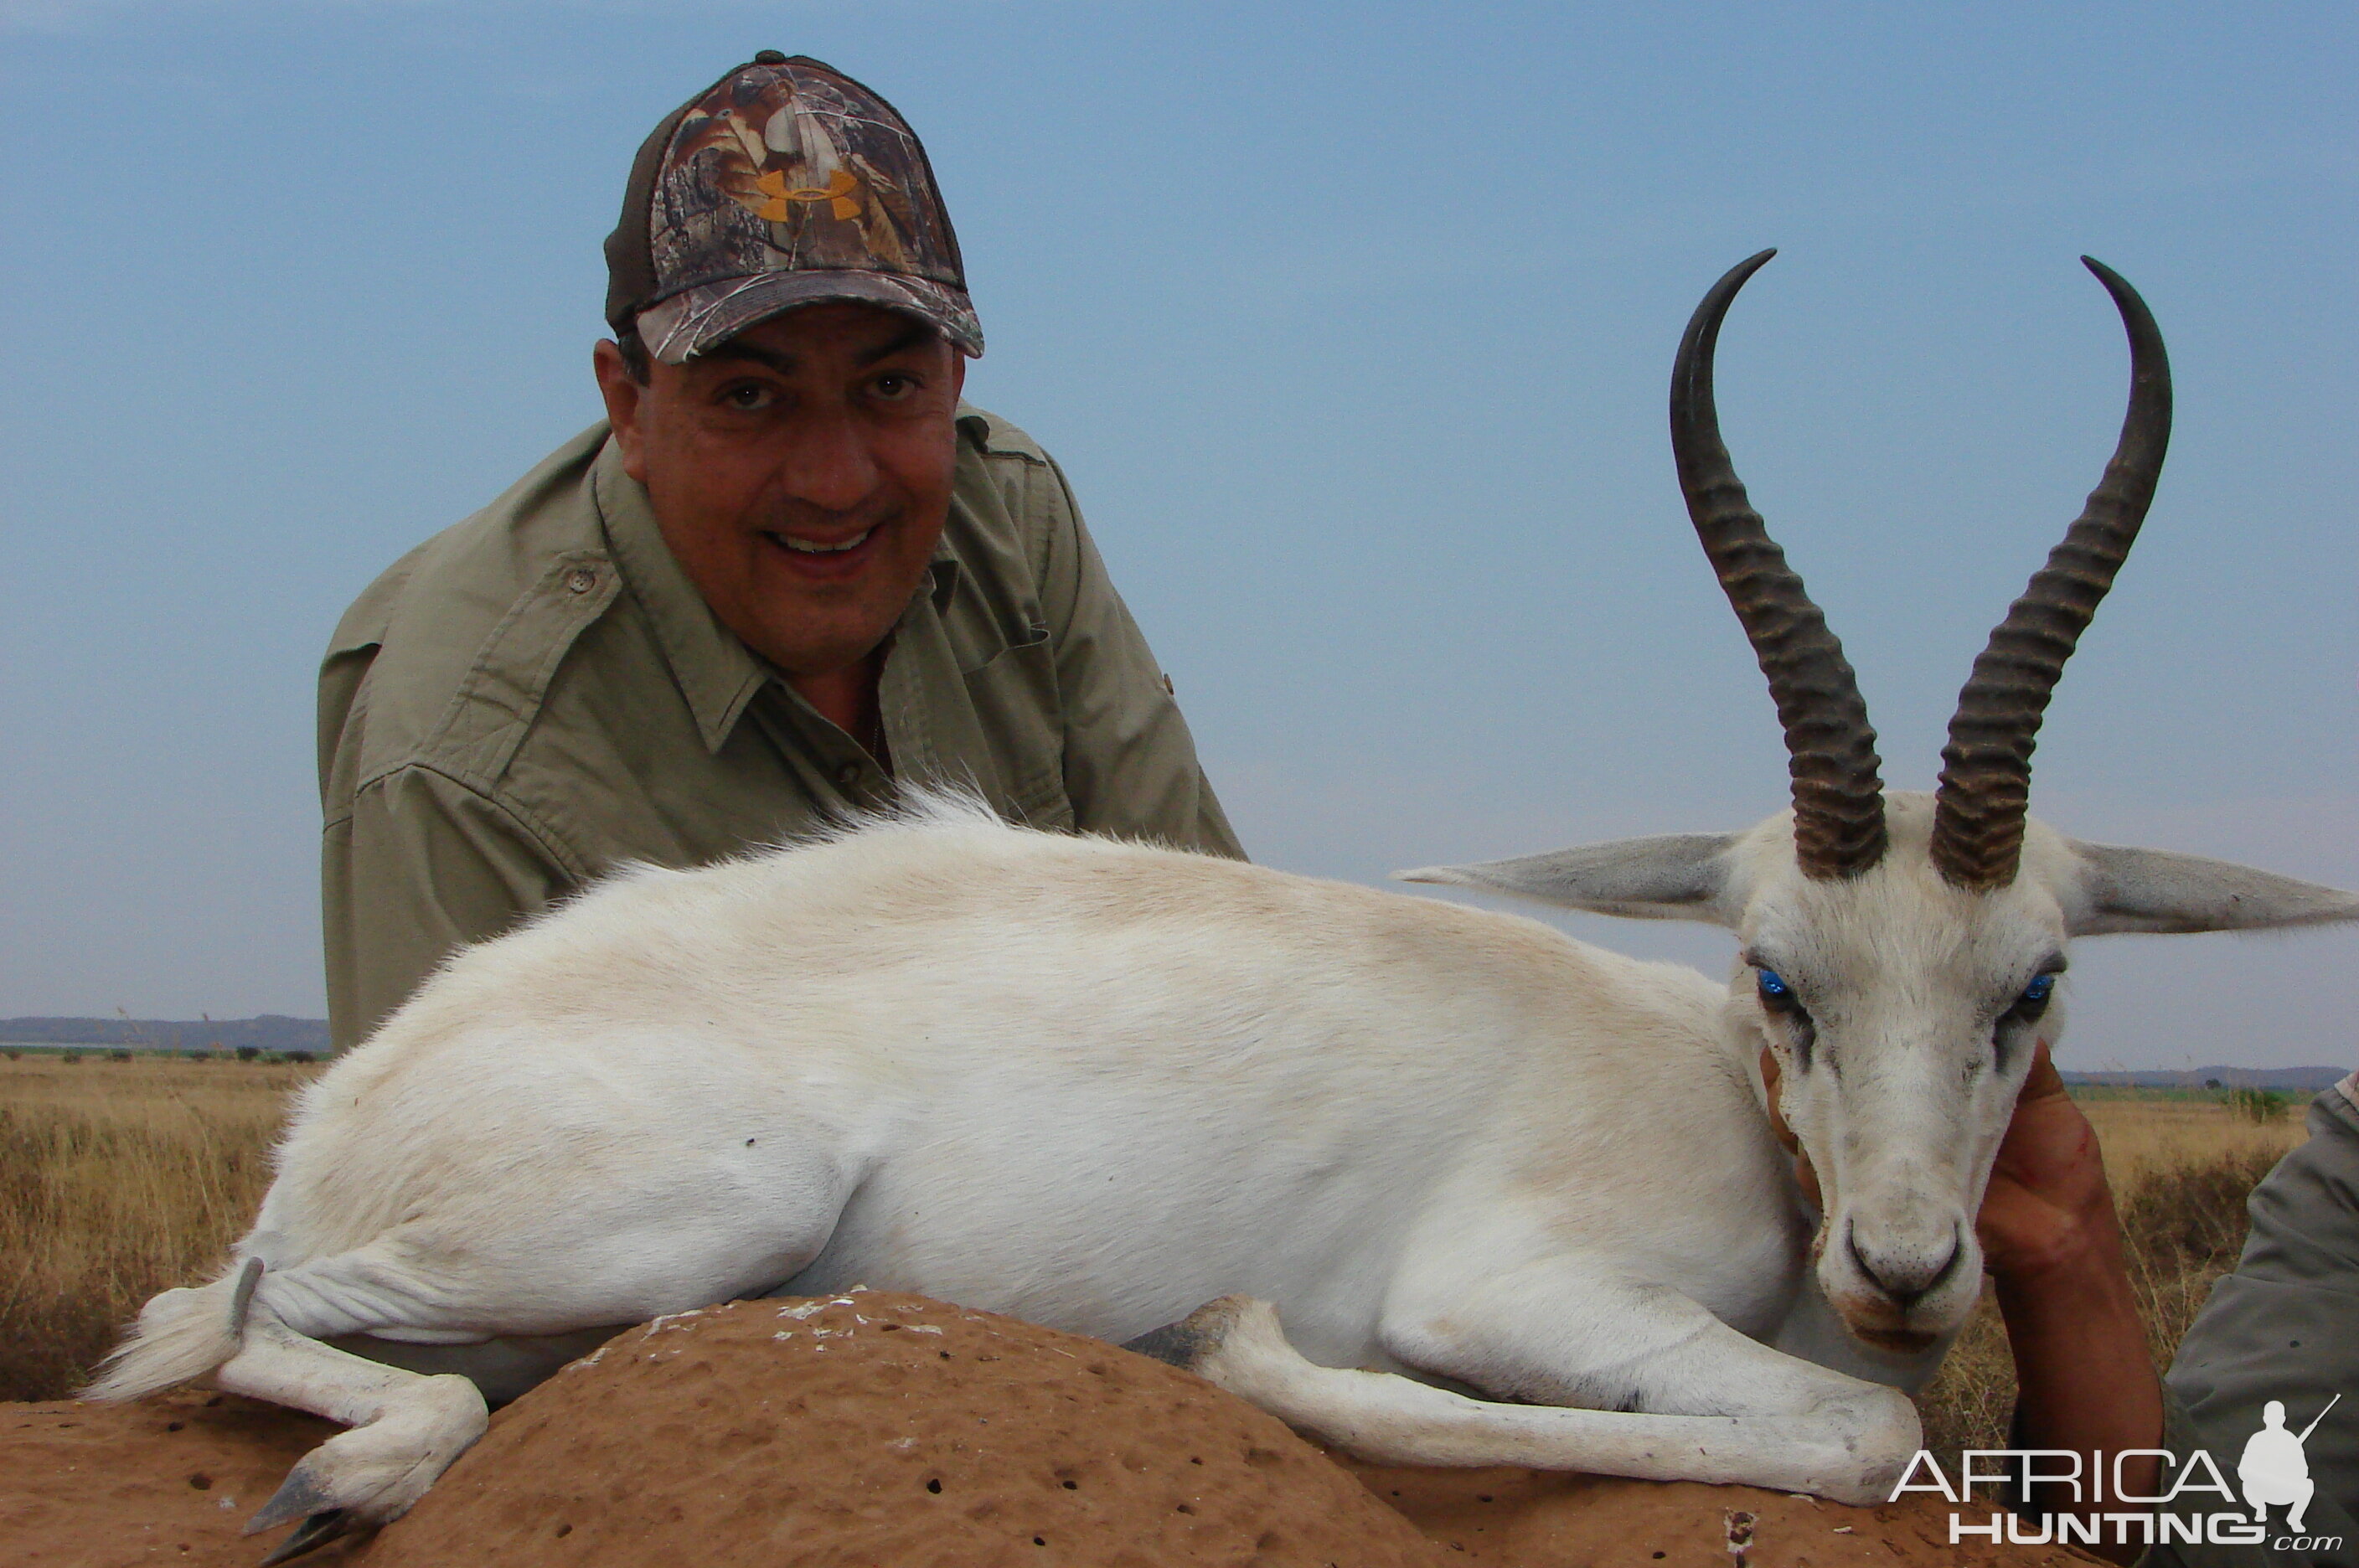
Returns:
(785, 183)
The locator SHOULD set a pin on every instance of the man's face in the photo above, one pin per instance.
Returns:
(800, 473)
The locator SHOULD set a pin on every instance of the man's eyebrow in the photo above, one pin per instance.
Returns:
(784, 363)
(917, 333)
(914, 335)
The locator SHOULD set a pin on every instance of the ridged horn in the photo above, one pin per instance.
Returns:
(1838, 795)
(1986, 768)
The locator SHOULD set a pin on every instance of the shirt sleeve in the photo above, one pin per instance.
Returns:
(420, 866)
(2281, 1327)
(1130, 764)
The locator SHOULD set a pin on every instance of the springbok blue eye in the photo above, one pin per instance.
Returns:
(1778, 1000)
(2038, 991)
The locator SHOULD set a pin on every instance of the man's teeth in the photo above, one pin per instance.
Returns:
(809, 547)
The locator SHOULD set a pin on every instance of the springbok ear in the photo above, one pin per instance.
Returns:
(1672, 877)
(2155, 890)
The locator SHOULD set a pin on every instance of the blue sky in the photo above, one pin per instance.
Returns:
(1352, 326)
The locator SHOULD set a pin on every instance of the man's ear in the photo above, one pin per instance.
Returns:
(2155, 890)
(1671, 877)
(624, 398)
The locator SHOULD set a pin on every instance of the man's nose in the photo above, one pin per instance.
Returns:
(827, 464)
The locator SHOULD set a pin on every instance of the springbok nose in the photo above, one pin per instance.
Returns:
(1905, 1273)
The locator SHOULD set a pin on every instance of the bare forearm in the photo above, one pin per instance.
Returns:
(2085, 1383)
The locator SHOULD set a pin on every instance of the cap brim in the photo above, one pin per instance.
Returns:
(690, 322)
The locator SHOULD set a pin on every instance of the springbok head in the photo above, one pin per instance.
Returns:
(1900, 952)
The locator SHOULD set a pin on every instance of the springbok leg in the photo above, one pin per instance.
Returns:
(406, 1429)
(1784, 1424)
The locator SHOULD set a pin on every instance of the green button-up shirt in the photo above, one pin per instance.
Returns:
(539, 694)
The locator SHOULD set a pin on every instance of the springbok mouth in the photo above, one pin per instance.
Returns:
(1883, 1325)
(1901, 1341)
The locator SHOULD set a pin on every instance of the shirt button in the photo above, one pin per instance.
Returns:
(848, 775)
(581, 580)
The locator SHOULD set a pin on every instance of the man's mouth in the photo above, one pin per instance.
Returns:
(819, 547)
(821, 557)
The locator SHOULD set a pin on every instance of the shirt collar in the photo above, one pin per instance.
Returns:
(717, 674)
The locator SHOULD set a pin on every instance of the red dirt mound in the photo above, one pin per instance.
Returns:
(166, 1480)
(1532, 1518)
(886, 1430)
(877, 1427)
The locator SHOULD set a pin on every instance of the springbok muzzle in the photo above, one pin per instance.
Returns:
(1900, 1280)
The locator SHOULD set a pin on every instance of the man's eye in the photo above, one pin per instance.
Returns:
(896, 387)
(747, 396)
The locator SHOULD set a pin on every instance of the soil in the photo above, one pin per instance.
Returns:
(1534, 1519)
(166, 1480)
(880, 1428)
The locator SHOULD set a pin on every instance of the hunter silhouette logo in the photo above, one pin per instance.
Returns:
(2273, 1470)
(2094, 1500)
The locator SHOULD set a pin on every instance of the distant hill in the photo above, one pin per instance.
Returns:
(2291, 1080)
(271, 1031)
(274, 1031)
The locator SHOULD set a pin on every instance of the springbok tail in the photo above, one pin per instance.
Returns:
(180, 1335)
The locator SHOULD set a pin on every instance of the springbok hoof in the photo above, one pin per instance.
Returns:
(299, 1495)
(315, 1531)
(1190, 1342)
(370, 1475)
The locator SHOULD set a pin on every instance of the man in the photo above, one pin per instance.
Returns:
(789, 575)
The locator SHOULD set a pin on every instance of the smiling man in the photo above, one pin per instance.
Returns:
(789, 574)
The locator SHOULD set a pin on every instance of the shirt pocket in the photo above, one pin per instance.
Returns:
(1018, 706)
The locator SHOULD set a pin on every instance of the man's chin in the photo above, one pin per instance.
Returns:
(808, 632)
(808, 628)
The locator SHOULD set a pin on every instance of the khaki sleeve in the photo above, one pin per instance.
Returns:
(420, 866)
(1130, 763)
(2179, 1436)
(2280, 1328)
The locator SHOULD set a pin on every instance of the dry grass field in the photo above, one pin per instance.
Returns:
(120, 1178)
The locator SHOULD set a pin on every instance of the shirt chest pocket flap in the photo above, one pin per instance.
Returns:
(1020, 711)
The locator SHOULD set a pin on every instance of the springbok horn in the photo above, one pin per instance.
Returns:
(1838, 796)
(1986, 768)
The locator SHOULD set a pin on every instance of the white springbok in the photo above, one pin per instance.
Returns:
(1097, 1084)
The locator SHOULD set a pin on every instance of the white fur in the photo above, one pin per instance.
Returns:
(1096, 1084)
